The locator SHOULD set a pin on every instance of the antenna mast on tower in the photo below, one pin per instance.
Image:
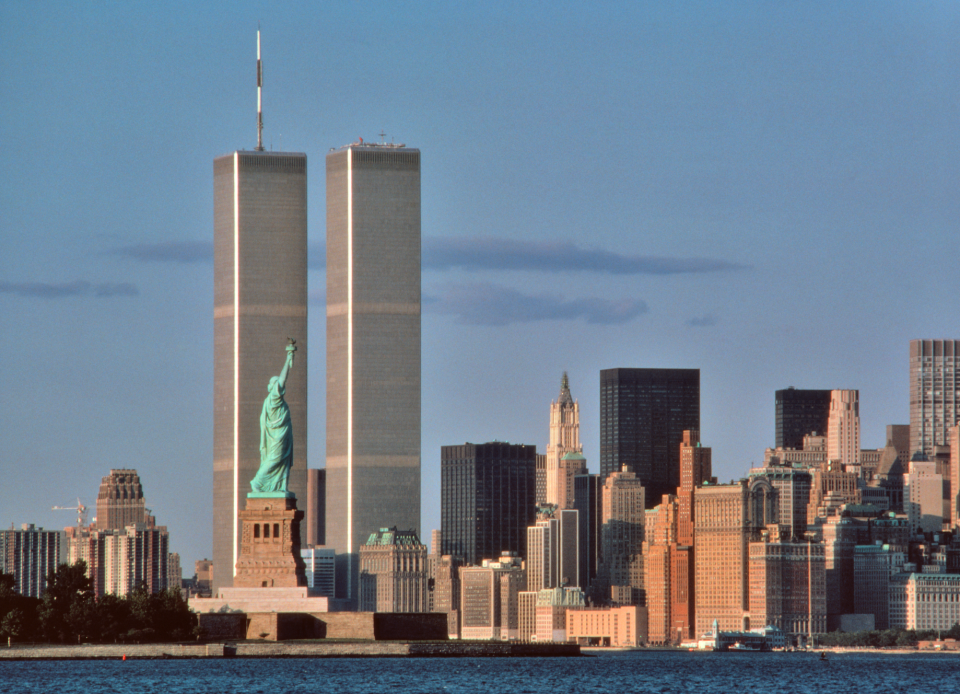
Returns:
(259, 97)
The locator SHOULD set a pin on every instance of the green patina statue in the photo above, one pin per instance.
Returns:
(276, 437)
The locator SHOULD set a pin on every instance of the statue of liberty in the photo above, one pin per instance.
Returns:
(276, 436)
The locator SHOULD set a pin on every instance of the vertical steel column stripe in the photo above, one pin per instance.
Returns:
(236, 356)
(350, 547)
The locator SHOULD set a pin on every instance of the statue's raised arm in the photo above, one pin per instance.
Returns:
(288, 364)
(276, 435)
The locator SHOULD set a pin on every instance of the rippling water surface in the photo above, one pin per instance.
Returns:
(614, 673)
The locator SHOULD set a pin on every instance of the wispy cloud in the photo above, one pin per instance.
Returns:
(168, 252)
(705, 321)
(490, 304)
(46, 290)
(486, 253)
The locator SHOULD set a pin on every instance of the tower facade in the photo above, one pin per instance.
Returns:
(622, 538)
(486, 499)
(934, 393)
(373, 348)
(728, 518)
(260, 299)
(843, 427)
(798, 413)
(564, 452)
(120, 500)
(643, 413)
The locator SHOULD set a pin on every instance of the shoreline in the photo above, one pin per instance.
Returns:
(316, 649)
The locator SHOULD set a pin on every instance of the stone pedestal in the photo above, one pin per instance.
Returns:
(270, 544)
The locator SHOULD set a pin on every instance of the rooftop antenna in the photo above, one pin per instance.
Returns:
(259, 95)
(383, 136)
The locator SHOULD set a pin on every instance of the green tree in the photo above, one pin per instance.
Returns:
(113, 617)
(18, 613)
(66, 603)
(907, 639)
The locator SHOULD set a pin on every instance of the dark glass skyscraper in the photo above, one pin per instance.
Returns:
(487, 497)
(643, 414)
(801, 412)
(588, 501)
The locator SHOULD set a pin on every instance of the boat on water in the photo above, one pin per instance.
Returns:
(737, 646)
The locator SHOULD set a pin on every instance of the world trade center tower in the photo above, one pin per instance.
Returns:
(373, 348)
(260, 299)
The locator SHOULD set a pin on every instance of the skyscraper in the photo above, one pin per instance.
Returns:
(120, 500)
(843, 427)
(260, 299)
(934, 393)
(564, 452)
(622, 538)
(798, 413)
(643, 413)
(29, 554)
(373, 348)
(727, 518)
(486, 499)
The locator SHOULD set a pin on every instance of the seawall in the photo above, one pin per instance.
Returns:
(371, 649)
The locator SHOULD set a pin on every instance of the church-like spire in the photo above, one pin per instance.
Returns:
(565, 396)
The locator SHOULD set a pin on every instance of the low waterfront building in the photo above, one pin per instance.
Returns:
(924, 601)
(489, 599)
(551, 610)
(620, 627)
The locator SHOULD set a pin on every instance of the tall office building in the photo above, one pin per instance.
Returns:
(486, 499)
(564, 452)
(843, 427)
(622, 538)
(373, 347)
(728, 518)
(553, 547)
(934, 393)
(588, 501)
(120, 500)
(799, 413)
(643, 413)
(260, 299)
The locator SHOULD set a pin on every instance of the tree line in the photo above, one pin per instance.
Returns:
(69, 612)
(887, 638)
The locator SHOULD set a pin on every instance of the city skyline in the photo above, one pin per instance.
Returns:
(739, 190)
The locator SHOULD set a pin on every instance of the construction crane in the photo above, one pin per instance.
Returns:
(79, 508)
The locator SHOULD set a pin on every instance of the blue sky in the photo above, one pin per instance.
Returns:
(764, 191)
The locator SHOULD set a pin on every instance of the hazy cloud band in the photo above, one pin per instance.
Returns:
(478, 253)
(490, 304)
(45, 290)
(485, 253)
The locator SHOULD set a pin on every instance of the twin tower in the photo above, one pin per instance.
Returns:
(373, 338)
